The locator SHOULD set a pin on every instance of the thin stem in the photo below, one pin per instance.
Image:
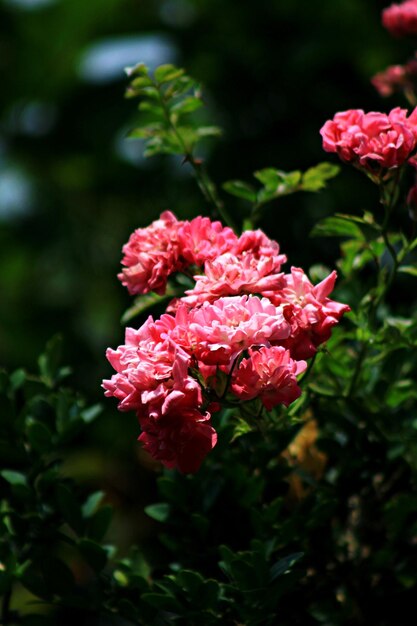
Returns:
(229, 378)
(353, 381)
(388, 201)
(308, 370)
(206, 185)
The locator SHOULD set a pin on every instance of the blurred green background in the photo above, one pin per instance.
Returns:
(72, 188)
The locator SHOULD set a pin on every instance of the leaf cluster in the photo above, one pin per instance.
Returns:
(167, 98)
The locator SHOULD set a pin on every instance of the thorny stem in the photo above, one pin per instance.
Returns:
(206, 185)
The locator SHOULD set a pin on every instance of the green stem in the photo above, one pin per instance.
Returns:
(353, 381)
(308, 370)
(206, 185)
(388, 200)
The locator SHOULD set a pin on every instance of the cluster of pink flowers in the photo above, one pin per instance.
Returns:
(396, 78)
(401, 19)
(373, 141)
(241, 334)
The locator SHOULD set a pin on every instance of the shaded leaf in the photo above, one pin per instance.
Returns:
(159, 512)
(240, 189)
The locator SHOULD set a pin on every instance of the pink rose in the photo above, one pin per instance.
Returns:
(270, 374)
(390, 80)
(231, 275)
(401, 19)
(203, 240)
(151, 255)
(217, 333)
(373, 141)
(180, 440)
(309, 311)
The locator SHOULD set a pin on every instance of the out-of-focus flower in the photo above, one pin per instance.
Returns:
(309, 311)
(396, 78)
(151, 255)
(373, 141)
(401, 19)
(270, 374)
(390, 80)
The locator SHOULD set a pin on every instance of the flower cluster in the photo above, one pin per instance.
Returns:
(396, 78)
(401, 19)
(373, 141)
(241, 334)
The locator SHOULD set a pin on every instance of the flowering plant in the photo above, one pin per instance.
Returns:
(239, 334)
(276, 404)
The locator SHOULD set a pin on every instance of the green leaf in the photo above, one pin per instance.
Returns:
(269, 177)
(141, 81)
(137, 70)
(336, 226)
(167, 72)
(69, 507)
(154, 109)
(315, 178)
(89, 415)
(163, 602)
(95, 555)
(92, 503)
(240, 189)
(208, 131)
(49, 361)
(159, 512)
(147, 301)
(241, 428)
(17, 379)
(284, 565)
(191, 581)
(40, 437)
(408, 269)
(14, 478)
(187, 105)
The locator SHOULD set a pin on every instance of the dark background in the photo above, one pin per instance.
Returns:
(72, 189)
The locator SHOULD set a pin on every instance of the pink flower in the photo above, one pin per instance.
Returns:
(152, 378)
(309, 311)
(259, 245)
(203, 240)
(396, 78)
(179, 440)
(217, 333)
(151, 255)
(401, 19)
(371, 140)
(390, 80)
(270, 374)
(151, 370)
(231, 275)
